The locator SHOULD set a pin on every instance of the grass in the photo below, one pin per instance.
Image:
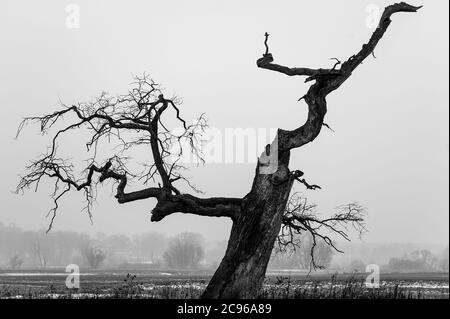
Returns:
(351, 287)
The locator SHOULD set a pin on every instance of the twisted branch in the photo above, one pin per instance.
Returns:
(110, 118)
(325, 81)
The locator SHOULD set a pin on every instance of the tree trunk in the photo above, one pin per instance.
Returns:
(242, 270)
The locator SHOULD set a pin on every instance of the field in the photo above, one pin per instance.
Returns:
(50, 283)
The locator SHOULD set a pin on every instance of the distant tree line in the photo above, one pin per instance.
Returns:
(185, 250)
(301, 256)
(421, 261)
(20, 248)
(38, 249)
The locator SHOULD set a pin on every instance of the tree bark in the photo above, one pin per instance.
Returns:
(242, 270)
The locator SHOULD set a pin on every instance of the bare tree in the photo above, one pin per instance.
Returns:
(39, 252)
(185, 251)
(94, 255)
(15, 262)
(301, 257)
(320, 258)
(444, 260)
(137, 120)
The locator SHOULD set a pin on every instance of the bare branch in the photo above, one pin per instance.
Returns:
(111, 118)
(266, 63)
(297, 174)
(266, 35)
(301, 217)
(326, 81)
(327, 126)
(384, 23)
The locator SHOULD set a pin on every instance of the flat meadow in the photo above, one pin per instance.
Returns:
(173, 284)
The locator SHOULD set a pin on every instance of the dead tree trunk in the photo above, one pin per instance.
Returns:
(253, 234)
(242, 270)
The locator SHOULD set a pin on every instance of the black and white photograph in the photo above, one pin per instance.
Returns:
(215, 158)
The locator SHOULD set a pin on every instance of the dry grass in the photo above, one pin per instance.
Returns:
(277, 288)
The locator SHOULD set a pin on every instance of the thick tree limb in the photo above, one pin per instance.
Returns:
(266, 63)
(188, 204)
(326, 81)
(385, 21)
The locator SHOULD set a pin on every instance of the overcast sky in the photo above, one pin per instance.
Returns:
(389, 150)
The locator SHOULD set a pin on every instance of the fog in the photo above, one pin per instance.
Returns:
(21, 250)
(389, 149)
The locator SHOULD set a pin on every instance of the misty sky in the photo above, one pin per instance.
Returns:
(389, 150)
